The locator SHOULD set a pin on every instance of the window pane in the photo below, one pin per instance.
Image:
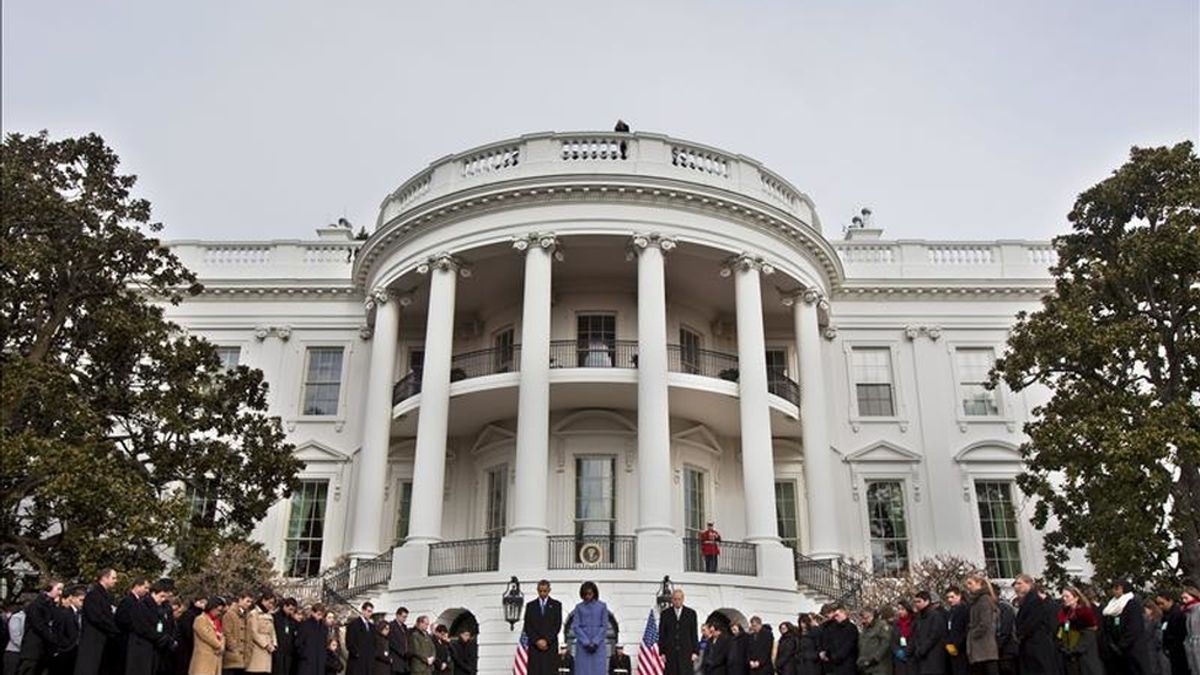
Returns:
(998, 527)
(404, 508)
(497, 501)
(503, 344)
(973, 366)
(888, 527)
(595, 495)
(596, 337)
(689, 350)
(229, 357)
(306, 529)
(872, 371)
(693, 502)
(323, 381)
(785, 513)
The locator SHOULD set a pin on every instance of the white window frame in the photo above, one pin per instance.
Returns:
(707, 483)
(885, 476)
(240, 346)
(684, 327)
(512, 361)
(484, 471)
(347, 354)
(898, 400)
(797, 483)
(1024, 536)
(326, 544)
(995, 468)
(1003, 409)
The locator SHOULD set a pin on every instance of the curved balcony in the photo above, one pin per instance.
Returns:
(606, 354)
(640, 155)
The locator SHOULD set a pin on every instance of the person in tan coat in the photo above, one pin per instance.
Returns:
(260, 633)
(208, 642)
(237, 646)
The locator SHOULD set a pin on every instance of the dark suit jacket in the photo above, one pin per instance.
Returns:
(99, 627)
(956, 634)
(1035, 626)
(39, 641)
(678, 640)
(543, 625)
(285, 642)
(360, 643)
(146, 637)
(759, 649)
(929, 641)
(839, 641)
(310, 647)
(716, 657)
(465, 657)
(398, 643)
(618, 664)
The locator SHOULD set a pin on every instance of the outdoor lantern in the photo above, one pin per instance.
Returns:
(514, 603)
(664, 594)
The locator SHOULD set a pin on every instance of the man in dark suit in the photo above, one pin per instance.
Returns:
(286, 629)
(148, 637)
(40, 637)
(99, 626)
(956, 633)
(68, 623)
(124, 618)
(762, 643)
(360, 642)
(398, 641)
(543, 622)
(678, 637)
(929, 641)
(716, 657)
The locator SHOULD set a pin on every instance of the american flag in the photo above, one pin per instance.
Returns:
(521, 660)
(649, 660)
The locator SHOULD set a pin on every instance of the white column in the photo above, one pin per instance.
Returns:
(758, 464)
(533, 411)
(814, 426)
(377, 427)
(429, 465)
(654, 415)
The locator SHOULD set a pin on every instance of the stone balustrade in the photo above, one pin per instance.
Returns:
(590, 153)
(918, 259)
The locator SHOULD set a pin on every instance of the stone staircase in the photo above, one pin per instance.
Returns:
(341, 586)
(833, 579)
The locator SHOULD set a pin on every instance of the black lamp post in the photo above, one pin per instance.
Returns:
(514, 602)
(664, 594)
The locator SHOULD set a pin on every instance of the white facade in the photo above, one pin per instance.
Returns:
(626, 334)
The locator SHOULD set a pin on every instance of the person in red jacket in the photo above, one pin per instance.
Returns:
(710, 547)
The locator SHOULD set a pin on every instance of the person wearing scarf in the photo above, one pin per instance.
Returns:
(1191, 610)
(1125, 631)
(1076, 635)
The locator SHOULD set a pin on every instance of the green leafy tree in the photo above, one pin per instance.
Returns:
(111, 416)
(1113, 455)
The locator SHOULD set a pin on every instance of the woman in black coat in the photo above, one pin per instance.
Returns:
(311, 643)
(382, 664)
(808, 658)
(739, 644)
(787, 650)
(184, 636)
(464, 654)
(333, 659)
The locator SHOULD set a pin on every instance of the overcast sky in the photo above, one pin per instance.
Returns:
(958, 120)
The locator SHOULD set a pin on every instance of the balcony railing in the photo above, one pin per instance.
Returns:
(465, 556)
(702, 362)
(484, 362)
(737, 557)
(835, 578)
(596, 354)
(568, 552)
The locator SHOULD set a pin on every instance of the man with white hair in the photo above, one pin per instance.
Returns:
(678, 637)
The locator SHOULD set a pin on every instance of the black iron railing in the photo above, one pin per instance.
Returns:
(484, 362)
(835, 578)
(342, 582)
(703, 362)
(408, 386)
(596, 354)
(568, 552)
(737, 557)
(784, 387)
(464, 556)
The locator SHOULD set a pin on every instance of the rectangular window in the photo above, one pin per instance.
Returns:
(998, 526)
(229, 357)
(306, 529)
(497, 501)
(595, 497)
(689, 350)
(776, 364)
(596, 340)
(973, 364)
(872, 371)
(403, 510)
(693, 502)
(504, 348)
(888, 527)
(416, 360)
(202, 504)
(323, 380)
(785, 514)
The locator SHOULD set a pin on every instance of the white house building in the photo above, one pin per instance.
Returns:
(559, 356)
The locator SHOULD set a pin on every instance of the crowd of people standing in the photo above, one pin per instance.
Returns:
(972, 630)
(82, 630)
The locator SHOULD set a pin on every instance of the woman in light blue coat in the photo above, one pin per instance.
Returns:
(590, 624)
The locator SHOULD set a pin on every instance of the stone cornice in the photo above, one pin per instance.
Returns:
(726, 204)
(1018, 289)
(255, 288)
